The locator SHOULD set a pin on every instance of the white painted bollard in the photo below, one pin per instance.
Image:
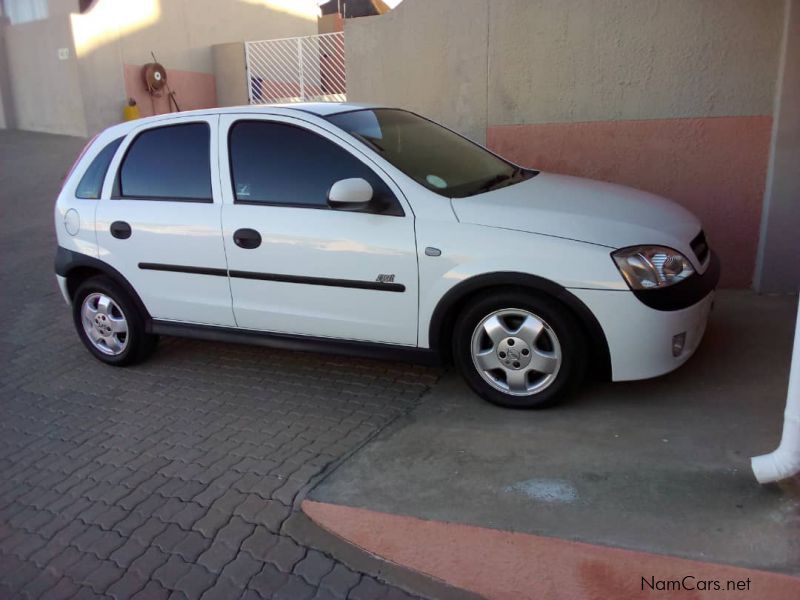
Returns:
(784, 461)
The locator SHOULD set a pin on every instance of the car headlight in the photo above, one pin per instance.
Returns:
(651, 267)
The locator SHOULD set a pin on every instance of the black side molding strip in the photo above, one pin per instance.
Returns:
(183, 269)
(283, 341)
(345, 283)
(325, 281)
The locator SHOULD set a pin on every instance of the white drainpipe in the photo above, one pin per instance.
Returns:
(784, 461)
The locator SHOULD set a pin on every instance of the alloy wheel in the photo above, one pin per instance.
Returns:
(516, 352)
(104, 323)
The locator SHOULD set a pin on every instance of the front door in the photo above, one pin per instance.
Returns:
(299, 266)
(159, 221)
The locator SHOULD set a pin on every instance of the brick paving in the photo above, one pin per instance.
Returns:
(172, 478)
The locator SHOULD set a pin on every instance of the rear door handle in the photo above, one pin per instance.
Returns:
(247, 238)
(120, 230)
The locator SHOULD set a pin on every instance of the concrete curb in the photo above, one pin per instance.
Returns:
(308, 533)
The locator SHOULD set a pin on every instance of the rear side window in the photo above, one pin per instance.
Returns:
(168, 163)
(274, 163)
(91, 184)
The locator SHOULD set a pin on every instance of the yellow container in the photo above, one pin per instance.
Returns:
(129, 113)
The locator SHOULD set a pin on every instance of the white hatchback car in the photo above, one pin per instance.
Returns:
(374, 231)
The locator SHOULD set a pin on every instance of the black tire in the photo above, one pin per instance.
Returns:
(565, 379)
(138, 343)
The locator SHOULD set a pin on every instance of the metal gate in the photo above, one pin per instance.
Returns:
(296, 69)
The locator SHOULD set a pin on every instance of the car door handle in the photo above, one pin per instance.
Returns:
(247, 238)
(120, 230)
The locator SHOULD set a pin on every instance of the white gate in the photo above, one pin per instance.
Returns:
(296, 69)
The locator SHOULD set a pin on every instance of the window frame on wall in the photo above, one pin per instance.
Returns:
(386, 202)
(25, 11)
(118, 192)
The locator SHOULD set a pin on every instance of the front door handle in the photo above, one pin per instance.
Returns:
(247, 238)
(120, 230)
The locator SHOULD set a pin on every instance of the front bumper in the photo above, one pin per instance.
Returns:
(640, 335)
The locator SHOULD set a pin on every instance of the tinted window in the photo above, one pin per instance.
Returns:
(91, 184)
(434, 156)
(168, 163)
(283, 164)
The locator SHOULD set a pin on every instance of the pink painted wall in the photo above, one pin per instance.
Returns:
(192, 90)
(714, 166)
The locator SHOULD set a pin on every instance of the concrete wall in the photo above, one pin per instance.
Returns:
(107, 44)
(779, 245)
(181, 34)
(671, 96)
(46, 90)
(230, 71)
(429, 57)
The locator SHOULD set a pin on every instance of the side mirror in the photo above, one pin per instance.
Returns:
(350, 194)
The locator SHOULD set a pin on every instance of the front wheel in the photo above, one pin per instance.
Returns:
(519, 350)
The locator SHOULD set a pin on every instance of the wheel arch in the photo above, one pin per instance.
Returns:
(456, 299)
(77, 268)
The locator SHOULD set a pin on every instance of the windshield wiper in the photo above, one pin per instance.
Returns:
(367, 141)
(492, 182)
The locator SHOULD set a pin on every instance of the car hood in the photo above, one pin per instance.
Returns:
(585, 210)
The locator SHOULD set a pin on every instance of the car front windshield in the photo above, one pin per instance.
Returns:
(432, 155)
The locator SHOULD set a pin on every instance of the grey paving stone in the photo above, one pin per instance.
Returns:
(340, 581)
(268, 581)
(260, 543)
(169, 538)
(148, 531)
(188, 515)
(196, 581)
(147, 563)
(285, 554)
(294, 589)
(152, 591)
(234, 533)
(171, 571)
(314, 567)
(64, 588)
(241, 569)
(192, 546)
(273, 515)
(127, 553)
(217, 556)
(103, 576)
(211, 522)
(223, 589)
(368, 589)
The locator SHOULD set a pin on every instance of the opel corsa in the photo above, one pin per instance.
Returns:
(374, 231)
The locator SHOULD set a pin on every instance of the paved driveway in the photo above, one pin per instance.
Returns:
(173, 476)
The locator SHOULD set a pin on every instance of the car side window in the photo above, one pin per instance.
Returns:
(91, 184)
(168, 163)
(281, 164)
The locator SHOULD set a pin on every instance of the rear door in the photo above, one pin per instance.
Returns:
(159, 220)
(310, 269)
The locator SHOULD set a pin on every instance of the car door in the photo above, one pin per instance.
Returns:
(159, 220)
(299, 266)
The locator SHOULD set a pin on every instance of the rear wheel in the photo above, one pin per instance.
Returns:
(521, 350)
(109, 324)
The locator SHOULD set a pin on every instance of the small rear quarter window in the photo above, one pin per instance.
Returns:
(91, 184)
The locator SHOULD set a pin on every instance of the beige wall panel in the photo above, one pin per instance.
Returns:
(428, 57)
(46, 90)
(230, 73)
(584, 60)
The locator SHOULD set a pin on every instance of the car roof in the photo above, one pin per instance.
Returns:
(318, 109)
